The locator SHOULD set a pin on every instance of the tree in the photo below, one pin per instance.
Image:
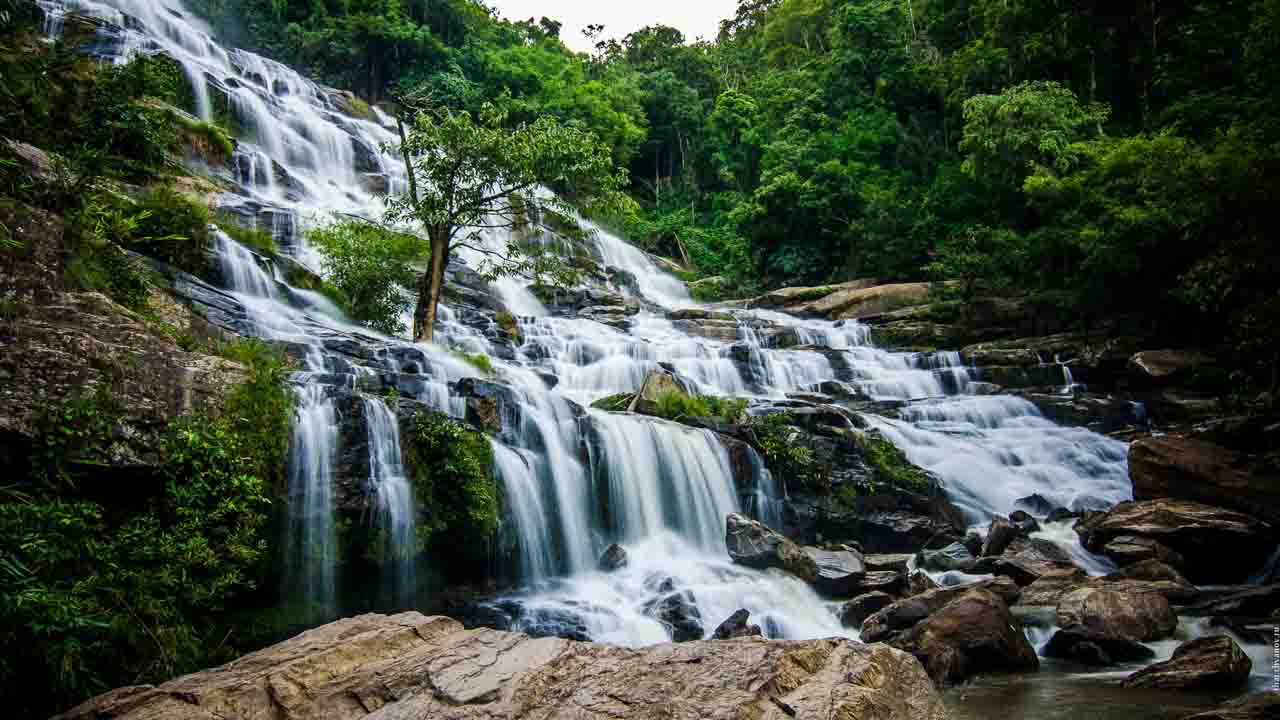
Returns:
(370, 265)
(469, 174)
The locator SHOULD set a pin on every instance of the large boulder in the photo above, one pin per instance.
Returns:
(1218, 545)
(1131, 549)
(857, 610)
(614, 558)
(1189, 469)
(1025, 560)
(1207, 663)
(952, 557)
(974, 633)
(755, 545)
(410, 666)
(656, 384)
(678, 613)
(839, 572)
(1101, 626)
(890, 621)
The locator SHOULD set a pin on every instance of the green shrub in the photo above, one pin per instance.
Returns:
(479, 361)
(675, 405)
(614, 403)
(783, 458)
(111, 579)
(250, 237)
(507, 322)
(371, 266)
(891, 464)
(174, 228)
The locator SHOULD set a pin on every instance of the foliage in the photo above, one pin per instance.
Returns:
(109, 579)
(784, 458)
(615, 403)
(479, 361)
(251, 237)
(450, 466)
(371, 267)
(678, 406)
(891, 464)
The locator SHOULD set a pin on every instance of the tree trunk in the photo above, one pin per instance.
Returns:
(430, 287)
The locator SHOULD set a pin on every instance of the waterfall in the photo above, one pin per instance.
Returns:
(311, 552)
(395, 501)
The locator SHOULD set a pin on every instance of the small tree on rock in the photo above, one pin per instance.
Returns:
(471, 174)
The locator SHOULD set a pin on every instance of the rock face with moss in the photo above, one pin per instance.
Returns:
(410, 666)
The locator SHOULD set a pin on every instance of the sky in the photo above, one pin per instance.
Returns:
(695, 18)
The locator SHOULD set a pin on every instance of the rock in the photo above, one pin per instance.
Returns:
(918, 581)
(656, 384)
(1219, 546)
(1158, 368)
(753, 544)
(1101, 626)
(999, 535)
(1207, 663)
(1060, 514)
(1259, 706)
(1049, 588)
(854, 303)
(1131, 549)
(737, 627)
(700, 314)
(1025, 560)
(1149, 571)
(410, 666)
(793, 296)
(952, 557)
(1188, 469)
(1023, 522)
(614, 558)
(854, 612)
(1036, 504)
(905, 613)
(678, 611)
(1255, 602)
(896, 563)
(887, 581)
(838, 572)
(974, 633)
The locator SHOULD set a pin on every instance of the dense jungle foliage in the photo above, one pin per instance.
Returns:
(1118, 157)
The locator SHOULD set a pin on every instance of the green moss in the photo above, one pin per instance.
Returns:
(891, 464)
(479, 361)
(679, 406)
(206, 139)
(614, 403)
(784, 458)
(507, 322)
(450, 466)
(250, 237)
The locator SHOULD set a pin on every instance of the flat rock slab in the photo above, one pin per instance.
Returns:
(411, 667)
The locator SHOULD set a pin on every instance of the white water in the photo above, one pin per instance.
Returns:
(660, 489)
(396, 505)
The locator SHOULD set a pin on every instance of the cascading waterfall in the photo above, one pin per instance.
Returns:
(394, 498)
(311, 547)
(661, 490)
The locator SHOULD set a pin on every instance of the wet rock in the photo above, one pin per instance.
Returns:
(1103, 627)
(721, 330)
(839, 572)
(896, 563)
(1049, 588)
(1218, 545)
(792, 297)
(889, 581)
(999, 535)
(656, 384)
(1259, 706)
(1159, 368)
(1023, 522)
(974, 633)
(893, 619)
(410, 666)
(700, 314)
(1060, 514)
(737, 626)
(678, 612)
(952, 557)
(918, 581)
(1254, 602)
(1189, 469)
(614, 558)
(1208, 663)
(1131, 549)
(753, 544)
(854, 612)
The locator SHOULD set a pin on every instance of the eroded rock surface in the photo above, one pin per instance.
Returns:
(409, 666)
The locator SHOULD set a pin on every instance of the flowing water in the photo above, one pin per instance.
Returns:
(575, 480)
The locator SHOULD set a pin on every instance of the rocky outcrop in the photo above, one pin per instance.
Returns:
(1131, 549)
(839, 571)
(1189, 469)
(1025, 560)
(656, 384)
(1218, 545)
(903, 614)
(952, 557)
(410, 666)
(678, 613)
(1208, 663)
(1259, 706)
(1102, 626)
(974, 633)
(857, 610)
(737, 626)
(753, 544)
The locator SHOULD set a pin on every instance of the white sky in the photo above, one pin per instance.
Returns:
(694, 18)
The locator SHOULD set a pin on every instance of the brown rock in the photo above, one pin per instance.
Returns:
(1219, 546)
(1259, 706)
(1130, 549)
(974, 633)
(410, 666)
(857, 610)
(1049, 588)
(905, 613)
(1208, 663)
(656, 384)
(999, 535)
(737, 626)
(1160, 367)
(1187, 469)
(754, 544)
(1137, 616)
(839, 572)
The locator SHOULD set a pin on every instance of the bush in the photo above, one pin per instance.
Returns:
(784, 459)
(677, 406)
(891, 464)
(106, 583)
(370, 265)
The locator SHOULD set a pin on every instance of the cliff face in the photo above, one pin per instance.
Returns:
(411, 666)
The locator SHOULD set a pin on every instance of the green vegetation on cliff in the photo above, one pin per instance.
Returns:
(115, 575)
